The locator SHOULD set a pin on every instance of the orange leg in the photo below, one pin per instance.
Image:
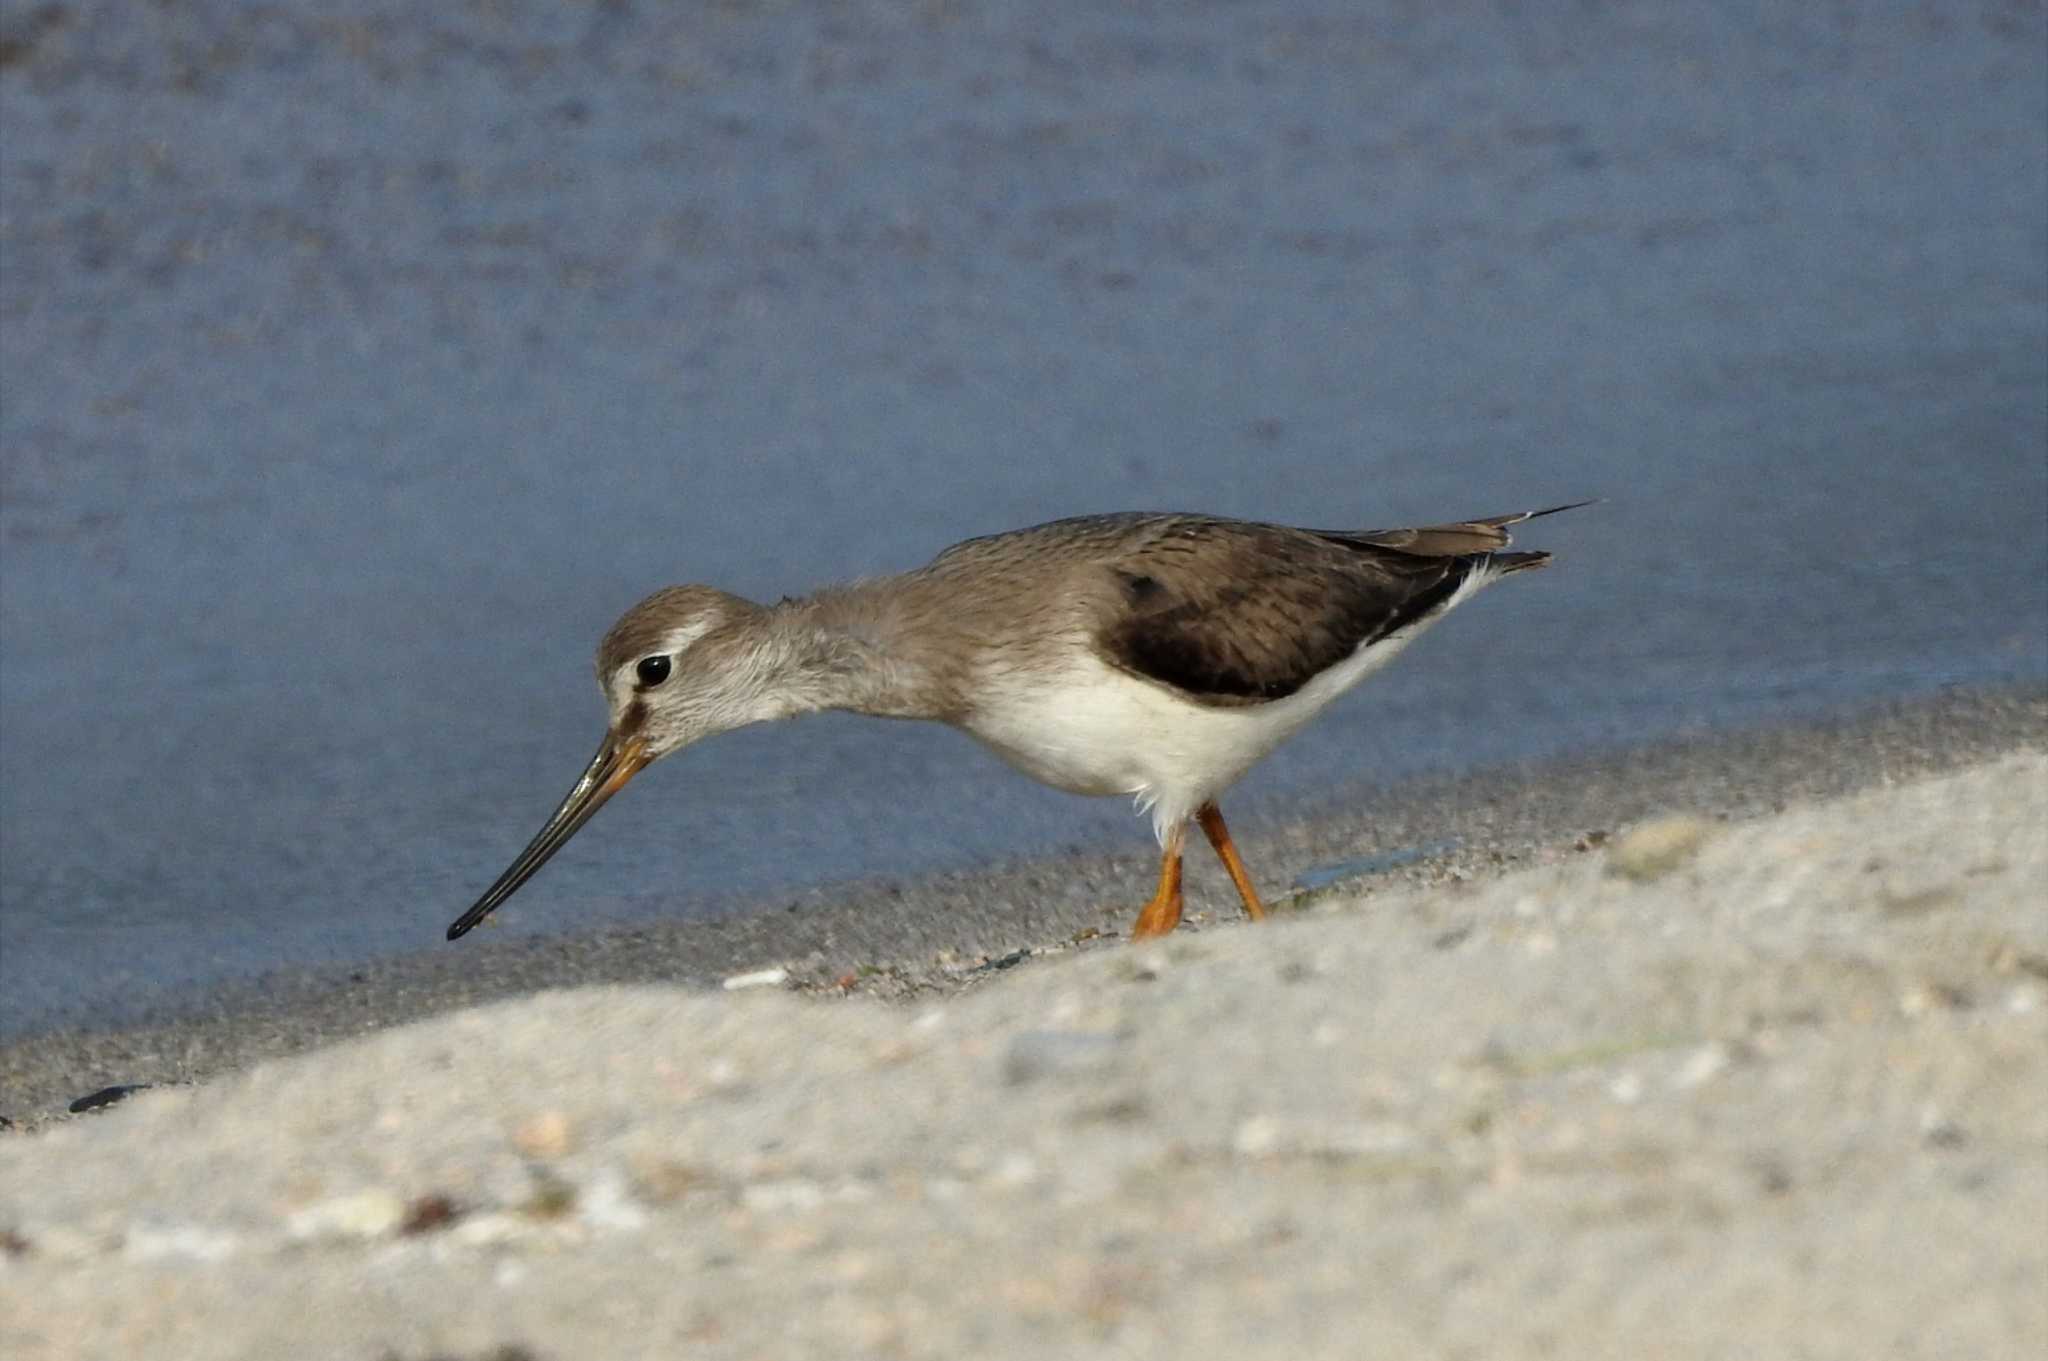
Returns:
(1162, 914)
(1211, 818)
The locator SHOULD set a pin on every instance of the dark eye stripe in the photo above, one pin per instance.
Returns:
(652, 671)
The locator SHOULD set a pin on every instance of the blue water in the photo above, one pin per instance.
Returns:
(359, 362)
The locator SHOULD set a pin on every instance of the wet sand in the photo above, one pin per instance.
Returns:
(1714, 1060)
(904, 940)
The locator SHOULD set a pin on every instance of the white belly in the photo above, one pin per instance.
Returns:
(1096, 730)
(1093, 729)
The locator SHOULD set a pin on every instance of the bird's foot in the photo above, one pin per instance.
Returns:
(1158, 917)
(1162, 914)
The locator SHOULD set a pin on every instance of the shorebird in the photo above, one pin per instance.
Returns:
(1153, 655)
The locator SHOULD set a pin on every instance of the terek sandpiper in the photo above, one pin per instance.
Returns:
(1158, 656)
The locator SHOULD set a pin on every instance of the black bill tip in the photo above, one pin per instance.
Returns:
(615, 763)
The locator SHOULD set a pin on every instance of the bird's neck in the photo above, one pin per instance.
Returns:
(838, 650)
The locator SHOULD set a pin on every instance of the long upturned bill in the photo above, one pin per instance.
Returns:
(616, 762)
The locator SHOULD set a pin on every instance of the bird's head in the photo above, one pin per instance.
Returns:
(680, 666)
(677, 667)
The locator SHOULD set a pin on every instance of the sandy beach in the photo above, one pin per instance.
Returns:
(1718, 1078)
(1659, 967)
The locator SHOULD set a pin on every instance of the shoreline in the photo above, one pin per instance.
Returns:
(950, 931)
(1675, 1093)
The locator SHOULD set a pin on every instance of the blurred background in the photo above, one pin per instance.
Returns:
(359, 362)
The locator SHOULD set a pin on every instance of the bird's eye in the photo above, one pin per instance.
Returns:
(652, 671)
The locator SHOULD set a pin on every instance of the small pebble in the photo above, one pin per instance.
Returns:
(361, 1214)
(759, 978)
(492, 1230)
(608, 1203)
(1017, 1169)
(187, 1242)
(427, 1214)
(1256, 1137)
(1653, 849)
(1703, 1065)
(547, 1135)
